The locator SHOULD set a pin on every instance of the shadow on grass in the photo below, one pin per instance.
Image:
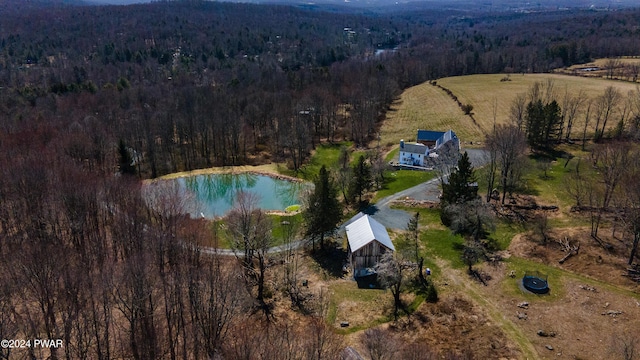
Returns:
(331, 259)
(550, 154)
(457, 246)
(527, 190)
(387, 181)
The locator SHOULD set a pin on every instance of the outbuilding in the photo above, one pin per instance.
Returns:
(368, 241)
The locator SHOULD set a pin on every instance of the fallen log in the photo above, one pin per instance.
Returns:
(477, 275)
(531, 207)
(571, 250)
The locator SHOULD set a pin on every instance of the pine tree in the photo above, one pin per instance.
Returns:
(324, 211)
(544, 123)
(553, 122)
(126, 162)
(361, 181)
(461, 186)
(459, 190)
(535, 123)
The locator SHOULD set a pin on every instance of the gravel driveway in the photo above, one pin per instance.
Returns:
(429, 191)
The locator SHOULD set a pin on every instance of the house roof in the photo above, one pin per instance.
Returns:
(428, 135)
(415, 148)
(364, 230)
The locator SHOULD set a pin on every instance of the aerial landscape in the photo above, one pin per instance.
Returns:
(438, 179)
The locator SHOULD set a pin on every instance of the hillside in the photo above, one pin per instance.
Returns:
(428, 107)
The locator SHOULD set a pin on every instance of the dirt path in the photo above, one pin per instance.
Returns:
(457, 279)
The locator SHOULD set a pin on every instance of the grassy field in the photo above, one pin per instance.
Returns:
(428, 107)
(424, 107)
(399, 180)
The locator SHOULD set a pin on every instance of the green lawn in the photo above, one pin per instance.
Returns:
(324, 154)
(437, 241)
(284, 224)
(399, 180)
(392, 154)
(504, 232)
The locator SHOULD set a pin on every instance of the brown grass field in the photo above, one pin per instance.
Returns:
(428, 107)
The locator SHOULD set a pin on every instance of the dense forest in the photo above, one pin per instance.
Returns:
(181, 85)
(190, 84)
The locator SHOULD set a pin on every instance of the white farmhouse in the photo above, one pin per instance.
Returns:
(413, 154)
(428, 147)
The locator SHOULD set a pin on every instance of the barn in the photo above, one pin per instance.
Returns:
(368, 240)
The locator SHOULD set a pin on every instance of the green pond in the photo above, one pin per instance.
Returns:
(214, 195)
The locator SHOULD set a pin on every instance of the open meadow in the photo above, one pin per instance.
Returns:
(426, 106)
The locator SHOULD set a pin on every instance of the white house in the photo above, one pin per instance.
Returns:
(413, 154)
(368, 241)
(427, 147)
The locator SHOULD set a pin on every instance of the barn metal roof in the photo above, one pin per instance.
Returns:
(364, 230)
(429, 135)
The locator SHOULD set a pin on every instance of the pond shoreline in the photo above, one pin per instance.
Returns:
(261, 172)
(270, 170)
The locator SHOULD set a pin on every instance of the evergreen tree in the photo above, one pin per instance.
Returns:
(324, 212)
(361, 181)
(535, 123)
(126, 162)
(553, 122)
(544, 123)
(462, 186)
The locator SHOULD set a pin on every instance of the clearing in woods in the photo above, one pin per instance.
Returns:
(426, 106)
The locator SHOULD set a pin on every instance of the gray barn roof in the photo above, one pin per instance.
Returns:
(415, 148)
(366, 229)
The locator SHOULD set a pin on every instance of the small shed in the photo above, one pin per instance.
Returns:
(368, 241)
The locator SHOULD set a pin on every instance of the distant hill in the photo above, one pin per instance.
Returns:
(467, 5)
(116, 2)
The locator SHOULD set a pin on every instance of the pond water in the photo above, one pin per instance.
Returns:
(214, 195)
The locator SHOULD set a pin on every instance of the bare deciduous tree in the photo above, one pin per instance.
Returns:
(587, 119)
(576, 185)
(517, 111)
(251, 233)
(625, 346)
(509, 145)
(570, 106)
(605, 106)
(380, 344)
(611, 160)
(391, 274)
(611, 65)
(631, 215)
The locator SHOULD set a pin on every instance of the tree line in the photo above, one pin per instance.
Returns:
(188, 85)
